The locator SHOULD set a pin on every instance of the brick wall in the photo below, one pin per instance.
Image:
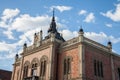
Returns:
(92, 54)
(74, 64)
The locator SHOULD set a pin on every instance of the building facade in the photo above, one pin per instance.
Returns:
(5, 75)
(53, 58)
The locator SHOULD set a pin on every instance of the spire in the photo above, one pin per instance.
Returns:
(52, 28)
(53, 18)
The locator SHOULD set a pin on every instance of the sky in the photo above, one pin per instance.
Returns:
(20, 19)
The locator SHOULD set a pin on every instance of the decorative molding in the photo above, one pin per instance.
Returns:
(35, 60)
(96, 44)
(27, 63)
(44, 57)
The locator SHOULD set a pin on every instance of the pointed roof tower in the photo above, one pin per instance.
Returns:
(52, 28)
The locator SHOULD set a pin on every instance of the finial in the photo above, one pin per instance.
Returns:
(109, 42)
(25, 45)
(53, 19)
(16, 56)
(35, 34)
(81, 30)
(41, 31)
(109, 45)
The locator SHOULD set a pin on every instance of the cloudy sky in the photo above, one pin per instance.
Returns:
(19, 20)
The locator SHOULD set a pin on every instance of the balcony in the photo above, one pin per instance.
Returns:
(32, 78)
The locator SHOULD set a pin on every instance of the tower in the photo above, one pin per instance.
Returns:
(52, 31)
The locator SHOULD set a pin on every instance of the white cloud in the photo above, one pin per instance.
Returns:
(61, 8)
(82, 12)
(67, 34)
(9, 34)
(101, 37)
(26, 22)
(114, 40)
(113, 15)
(7, 17)
(108, 25)
(9, 13)
(90, 18)
(6, 47)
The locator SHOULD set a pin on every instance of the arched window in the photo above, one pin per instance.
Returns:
(34, 65)
(43, 67)
(25, 70)
(34, 69)
(67, 67)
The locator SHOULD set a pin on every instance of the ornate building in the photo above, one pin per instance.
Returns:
(53, 58)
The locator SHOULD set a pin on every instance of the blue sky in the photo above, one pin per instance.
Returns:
(19, 20)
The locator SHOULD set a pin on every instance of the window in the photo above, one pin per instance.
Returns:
(25, 69)
(34, 69)
(43, 68)
(119, 73)
(67, 66)
(25, 74)
(98, 68)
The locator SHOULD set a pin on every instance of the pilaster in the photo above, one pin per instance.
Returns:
(112, 66)
(81, 54)
(51, 58)
(81, 60)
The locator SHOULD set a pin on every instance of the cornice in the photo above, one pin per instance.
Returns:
(44, 45)
(68, 45)
(73, 43)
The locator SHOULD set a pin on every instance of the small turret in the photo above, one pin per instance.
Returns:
(24, 47)
(16, 57)
(81, 32)
(81, 35)
(36, 38)
(41, 35)
(109, 44)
